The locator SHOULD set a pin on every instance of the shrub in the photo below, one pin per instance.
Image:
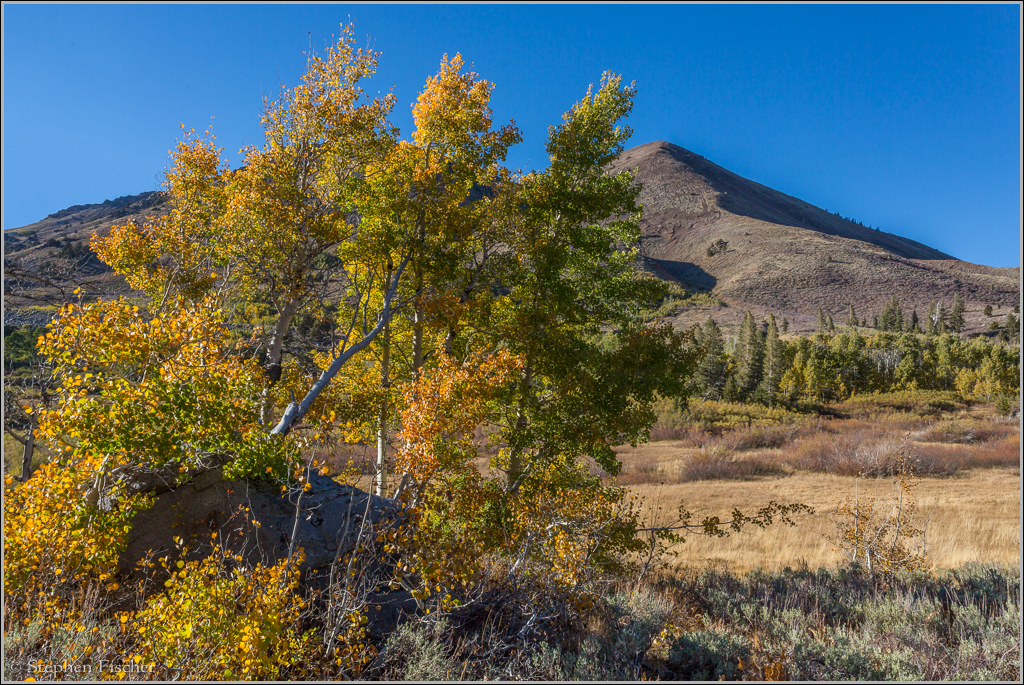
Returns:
(946, 459)
(54, 538)
(218, 621)
(709, 462)
(886, 539)
(714, 414)
(858, 453)
(716, 461)
(965, 432)
(638, 472)
(761, 437)
(842, 624)
(418, 652)
(707, 655)
(915, 402)
(717, 247)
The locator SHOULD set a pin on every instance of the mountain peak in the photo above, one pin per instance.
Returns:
(685, 183)
(781, 253)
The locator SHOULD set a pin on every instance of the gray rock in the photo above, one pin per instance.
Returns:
(27, 317)
(330, 517)
(251, 519)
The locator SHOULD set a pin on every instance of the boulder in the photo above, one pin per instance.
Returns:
(250, 518)
(253, 519)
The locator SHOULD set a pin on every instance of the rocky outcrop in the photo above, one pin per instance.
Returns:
(248, 518)
(31, 318)
(254, 520)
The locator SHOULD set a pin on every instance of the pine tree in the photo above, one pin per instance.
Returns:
(929, 319)
(914, 322)
(822, 324)
(851, 319)
(785, 325)
(988, 310)
(731, 391)
(712, 366)
(749, 355)
(773, 360)
(831, 325)
(892, 317)
(956, 314)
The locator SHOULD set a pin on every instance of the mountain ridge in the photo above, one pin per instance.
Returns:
(773, 206)
(775, 252)
(756, 248)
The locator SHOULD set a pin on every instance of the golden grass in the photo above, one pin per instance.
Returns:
(968, 459)
(975, 517)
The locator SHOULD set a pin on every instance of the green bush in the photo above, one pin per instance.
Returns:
(707, 655)
(417, 651)
(840, 624)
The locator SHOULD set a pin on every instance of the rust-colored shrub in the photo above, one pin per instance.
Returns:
(858, 453)
(966, 432)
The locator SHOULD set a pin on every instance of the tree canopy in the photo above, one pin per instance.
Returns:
(347, 285)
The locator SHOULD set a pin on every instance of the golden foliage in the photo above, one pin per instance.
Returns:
(54, 537)
(880, 538)
(442, 410)
(221, 622)
(140, 390)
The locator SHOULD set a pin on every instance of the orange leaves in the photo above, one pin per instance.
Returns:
(131, 250)
(453, 107)
(196, 173)
(116, 336)
(560, 522)
(178, 252)
(263, 226)
(327, 104)
(451, 528)
(444, 407)
(884, 538)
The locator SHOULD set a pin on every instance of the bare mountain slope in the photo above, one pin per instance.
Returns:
(45, 261)
(785, 255)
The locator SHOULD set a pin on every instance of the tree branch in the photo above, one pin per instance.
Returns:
(294, 412)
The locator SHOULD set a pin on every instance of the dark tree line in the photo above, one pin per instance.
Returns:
(761, 367)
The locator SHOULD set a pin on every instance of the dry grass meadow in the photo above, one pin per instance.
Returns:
(969, 490)
(968, 494)
(975, 517)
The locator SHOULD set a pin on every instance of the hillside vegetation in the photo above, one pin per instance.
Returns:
(756, 248)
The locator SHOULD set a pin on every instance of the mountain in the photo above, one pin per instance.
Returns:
(785, 256)
(53, 254)
(704, 227)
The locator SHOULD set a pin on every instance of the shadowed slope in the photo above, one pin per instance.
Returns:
(785, 255)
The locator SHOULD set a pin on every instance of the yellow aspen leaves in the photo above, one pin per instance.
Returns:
(244, 620)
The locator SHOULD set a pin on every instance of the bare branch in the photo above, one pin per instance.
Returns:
(294, 412)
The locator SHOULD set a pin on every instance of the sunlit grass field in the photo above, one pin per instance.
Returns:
(967, 462)
(719, 457)
(974, 517)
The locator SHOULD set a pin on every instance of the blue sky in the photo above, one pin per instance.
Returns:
(903, 117)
